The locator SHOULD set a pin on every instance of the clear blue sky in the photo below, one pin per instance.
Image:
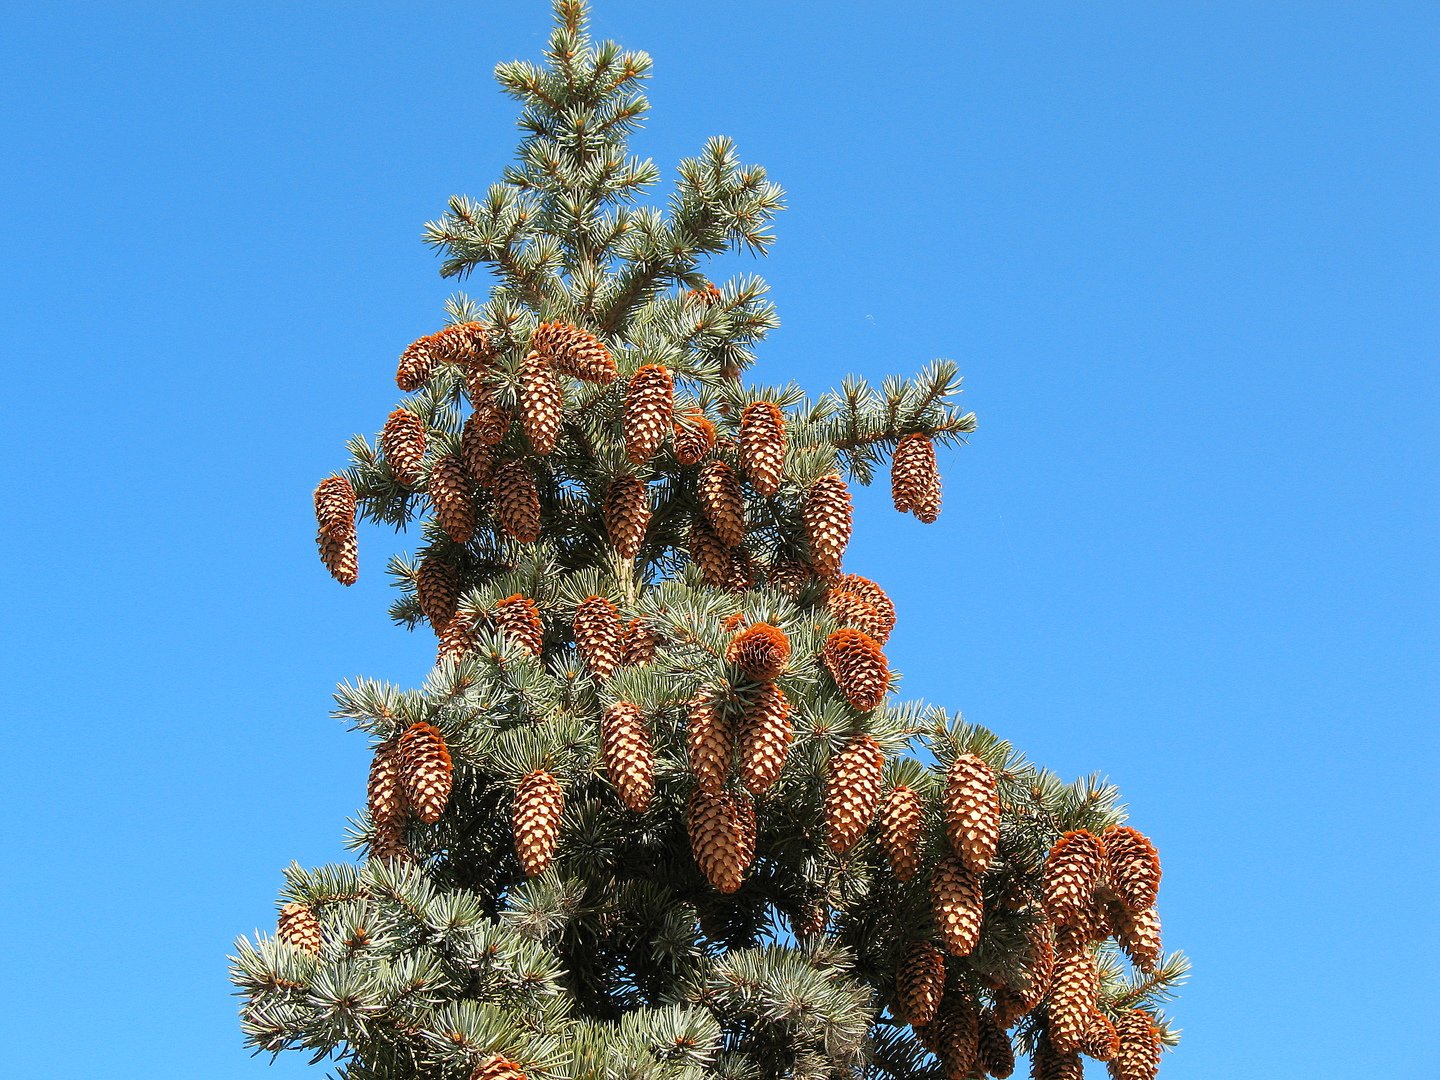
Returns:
(1186, 255)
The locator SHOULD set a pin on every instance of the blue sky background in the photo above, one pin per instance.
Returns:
(1186, 255)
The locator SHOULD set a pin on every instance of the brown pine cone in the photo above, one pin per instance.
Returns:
(764, 737)
(539, 804)
(873, 595)
(709, 743)
(402, 441)
(743, 571)
(848, 609)
(915, 478)
(694, 438)
(451, 495)
(812, 919)
(958, 905)
(437, 588)
(722, 501)
(1074, 990)
(858, 665)
(852, 792)
(518, 618)
(417, 364)
(385, 795)
(629, 761)
(466, 344)
(542, 406)
(957, 1030)
(426, 772)
(1133, 866)
(1010, 1008)
(299, 928)
(722, 836)
(638, 644)
(574, 352)
(714, 560)
(626, 514)
(1138, 1055)
(1100, 1041)
(996, 1056)
(517, 502)
(972, 811)
(1039, 964)
(828, 520)
(387, 844)
(457, 639)
(762, 446)
(901, 819)
(496, 1067)
(649, 412)
(1073, 870)
(489, 423)
(920, 983)
(1138, 933)
(705, 296)
(761, 652)
(789, 577)
(1047, 1063)
(335, 516)
(598, 635)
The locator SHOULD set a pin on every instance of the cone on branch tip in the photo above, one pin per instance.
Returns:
(901, 820)
(299, 928)
(1133, 866)
(693, 438)
(1137, 1055)
(402, 442)
(517, 502)
(539, 804)
(722, 836)
(437, 589)
(466, 344)
(958, 905)
(335, 516)
(920, 983)
(450, 494)
(1138, 935)
(828, 519)
(722, 502)
(574, 352)
(762, 446)
(417, 364)
(858, 666)
(760, 651)
(597, 630)
(649, 412)
(626, 513)
(638, 644)
(972, 811)
(496, 1067)
(1074, 990)
(542, 406)
(764, 737)
(518, 619)
(709, 743)
(852, 792)
(1073, 870)
(385, 795)
(387, 844)
(915, 478)
(426, 772)
(873, 595)
(629, 760)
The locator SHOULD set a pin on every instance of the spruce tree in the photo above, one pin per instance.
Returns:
(656, 812)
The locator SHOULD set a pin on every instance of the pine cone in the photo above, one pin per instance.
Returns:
(1138, 933)
(574, 352)
(542, 406)
(812, 919)
(694, 438)
(705, 296)
(457, 639)
(722, 501)
(402, 441)
(709, 743)
(722, 836)
(539, 803)
(1133, 866)
(465, 344)
(1047, 1063)
(873, 595)
(915, 479)
(765, 736)
(901, 819)
(649, 412)
(743, 571)
(761, 652)
(1071, 874)
(828, 520)
(1100, 1041)
(387, 845)
(335, 515)
(958, 905)
(385, 795)
(957, 1030)
(996, 1056)
(627, 514)
(518, 618)
(714, 560)
(1039, 964)
(417, 363)
(848, 609)
(299, 928)
(790, 577)
(1073, 994)
(852, 791)
(597, 635)
(1138, 1055)
(489, 423)
(1010, 1008)
(858, 666)
(629, 761)
(762, 446)
(972, 811)
(638, 644)
(496, 1067)
(437, 588)
(426, 772)
(451, 496)
(517, 502)
(920, 983)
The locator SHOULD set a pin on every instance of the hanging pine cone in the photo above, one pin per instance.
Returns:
(957, 1030)
(1133, 866)
(437, 588)
(402, 441)
(638, 644)
(1071, 874)
(489, 423)
(722, 501)
(858, 665)
(915, 479)
(1047, 1063)
(518, 619)
(1138, 1055)
(451, 496)
(481, 460)
(764, 737)
(496, 1067)
(852, 792)
(920, 983)
(848, 609)
(542, 406)
(1039, 964)
(1009, 1008)
(466, 344)
(722, 836)
(828, 519)
(299, 928)
(457, 639)
(426, 772)
(694, 438)
(812, 919)
(901, 819)
(574, 352)
(597, 635)
(709, 743)
(417, 363)
(958, 905)
(385, 795)
(761, 652)
(762, 446)
(626, 513)
(873, 595)
(790, 577)
(1073, 993)
(996, 1056)
(1101, 1040)
(387, 844)
(712, 558)
(629, 761)
(517, 502)
(743, 571)
(972, 811)
(539, 803)
(335, 516)
(649, 412)
(1138, 933)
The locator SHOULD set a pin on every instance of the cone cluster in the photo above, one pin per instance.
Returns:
(915, 478)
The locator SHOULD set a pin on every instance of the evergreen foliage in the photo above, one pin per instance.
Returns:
(656, 812)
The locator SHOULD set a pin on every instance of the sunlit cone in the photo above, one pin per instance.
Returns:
(722, 501)
(481, 458)
(958, 906)
(709, 743)
(733, 622)
(1039, 964)
(1138, 933)
(852, 792)
(457, 639)
(638, 644)
(764, 737)
(858, 665)
(1133, 865)
(705, 296)
(1071, 874)
(711, 557)
(489, 423)
(542, 406)
(828, 520)
(744, 573)
(539, 804)
(848, 609)
(517, 502)
(873, 595)
(335, 516)
(901, 819)
(465, 344)
(649, 412)
(920, 983)
(694, 438)
(598, 635)
(451, 495)
(299, 928)
(972, 811)
(1074, 989)
(762, 446)
(626, 513)
(437, 588)
(417, 364)
(495, 1067)
(915, 478)
(518, 619)
(385, 796)
(996, 1054)
(760, 651)
(1138, 1054)
(722, 836)
(629, 760)
(1048, 1063)
(957, 1031)
(402, 441)
(574, 352)
(1100, 1040)
(426, 771)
